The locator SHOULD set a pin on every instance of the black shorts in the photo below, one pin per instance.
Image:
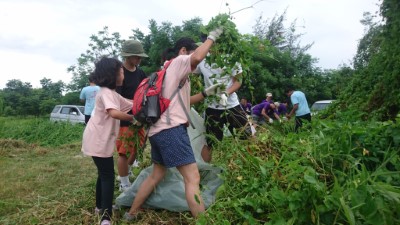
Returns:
(234, 118)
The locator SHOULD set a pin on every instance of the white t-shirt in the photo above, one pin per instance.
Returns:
(214, 76)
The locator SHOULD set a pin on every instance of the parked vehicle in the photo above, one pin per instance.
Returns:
(320, 105)
(68, 113)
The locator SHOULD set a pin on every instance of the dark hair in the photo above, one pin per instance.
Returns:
(90, 78)
(170, 53)
(289, 88)
(106, 72)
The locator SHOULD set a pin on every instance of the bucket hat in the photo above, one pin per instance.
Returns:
(132, 48)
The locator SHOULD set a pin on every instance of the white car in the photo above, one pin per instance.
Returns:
(68, 113)
(320, 105)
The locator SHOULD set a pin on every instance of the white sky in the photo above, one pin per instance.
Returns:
(43, 38)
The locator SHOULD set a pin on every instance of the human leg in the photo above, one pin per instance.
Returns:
(237, 119)
(126, 151)
(105, 185)
(191, 178)
(147, 187)
(215, 121)
(299, 121)
(172, 148)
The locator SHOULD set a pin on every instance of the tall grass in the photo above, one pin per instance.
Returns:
(40, 131)
(337, 172)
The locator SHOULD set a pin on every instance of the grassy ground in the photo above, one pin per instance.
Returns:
(53, 183)
(338, 172)
(44, 185)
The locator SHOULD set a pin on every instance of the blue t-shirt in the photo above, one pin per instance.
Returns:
(89, 95)
(299, 98)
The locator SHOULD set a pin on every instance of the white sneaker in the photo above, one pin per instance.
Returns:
(105, 222)
(136, 163)
(123, 188)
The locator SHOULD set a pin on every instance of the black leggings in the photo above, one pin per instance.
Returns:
(104, 185)
(234, 118)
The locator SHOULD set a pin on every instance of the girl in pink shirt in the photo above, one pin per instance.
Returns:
(170, 144)
(102, 130)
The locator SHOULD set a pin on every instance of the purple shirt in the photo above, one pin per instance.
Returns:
(246, 108)
(282, 109)
(258, 108)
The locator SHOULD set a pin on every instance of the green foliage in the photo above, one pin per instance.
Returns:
(102, 44)
(373, 90)
(40, 131)
(162, 37)
(340, 172)
(21, 99)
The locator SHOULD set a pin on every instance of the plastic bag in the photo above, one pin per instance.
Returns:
(170, 192)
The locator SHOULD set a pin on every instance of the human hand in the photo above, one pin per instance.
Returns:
(270, 120)
(223, 99)
(212, 90)
(214, 34)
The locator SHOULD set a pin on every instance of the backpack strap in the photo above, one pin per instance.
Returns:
(176, 92)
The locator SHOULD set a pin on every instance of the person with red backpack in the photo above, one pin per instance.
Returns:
(170, 143)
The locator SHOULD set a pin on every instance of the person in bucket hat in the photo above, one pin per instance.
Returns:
(132, 51)
(132, 48)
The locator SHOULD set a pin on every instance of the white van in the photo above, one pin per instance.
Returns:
(320, 105)
(68, 113)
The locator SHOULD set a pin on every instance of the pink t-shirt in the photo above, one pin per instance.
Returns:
(102, 130)
(177, 70)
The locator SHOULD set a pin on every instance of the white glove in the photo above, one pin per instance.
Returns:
(214, 35)
(223, 99)
(270, 120)
(212, 90)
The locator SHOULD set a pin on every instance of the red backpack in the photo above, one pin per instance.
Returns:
(148, 102)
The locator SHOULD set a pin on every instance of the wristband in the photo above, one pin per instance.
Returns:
(212, 38)
(204, 94)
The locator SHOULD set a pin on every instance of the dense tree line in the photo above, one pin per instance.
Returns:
(277, 58)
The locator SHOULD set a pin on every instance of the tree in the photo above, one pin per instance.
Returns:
(162, 37)
(102, 44)
(50, 95)
(373, 91)
(281, 59)
(370, 43)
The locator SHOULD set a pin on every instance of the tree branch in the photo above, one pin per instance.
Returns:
(246, 7)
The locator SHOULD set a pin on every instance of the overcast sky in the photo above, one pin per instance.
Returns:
(43, 38)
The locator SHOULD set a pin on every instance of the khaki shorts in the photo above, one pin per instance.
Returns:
(127, 141)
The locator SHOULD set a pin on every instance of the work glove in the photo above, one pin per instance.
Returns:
(223, 99)
(271, 120)
(214, 34)
(212, 90)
